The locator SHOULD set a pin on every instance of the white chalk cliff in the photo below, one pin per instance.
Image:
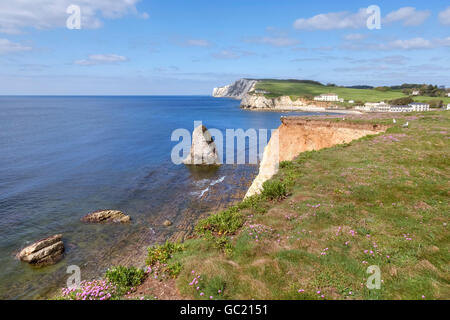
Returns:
(297, 135)
(236, 90)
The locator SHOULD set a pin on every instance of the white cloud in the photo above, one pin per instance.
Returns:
(444, 17)
(7, 46)
(416, 43)
(226, 54)
(17, 15)
(390, 60)
(274, 41)
(394, 60)
(350, 20)
(97, 59)
(408, 15)
(333, 20)
(399, 44)
(355, 37)
(197, 43)
(231, 54)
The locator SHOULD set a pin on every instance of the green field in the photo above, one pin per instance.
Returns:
(295, 89)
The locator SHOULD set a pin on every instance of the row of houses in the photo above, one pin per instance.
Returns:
(384, 107)
(378, 106)
(328, 97)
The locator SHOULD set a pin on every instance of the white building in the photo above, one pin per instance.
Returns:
(351, 101)
(448, 106)
(448, 94)
(377, 107)
(416, 92)
(329, 97)
(419, 107)
(401, 109)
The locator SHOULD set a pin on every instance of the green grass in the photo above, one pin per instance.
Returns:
(295, 89)
(386, 194)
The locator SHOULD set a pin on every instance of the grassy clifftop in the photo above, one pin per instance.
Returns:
(278, 88)
(382, 200)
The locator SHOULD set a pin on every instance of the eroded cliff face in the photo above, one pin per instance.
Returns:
(297, 135)
(261, 102)
(236, 90)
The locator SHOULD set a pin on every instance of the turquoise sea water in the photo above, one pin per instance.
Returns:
(63, 157)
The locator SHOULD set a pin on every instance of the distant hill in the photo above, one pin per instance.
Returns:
(360, 87)
(360, 94)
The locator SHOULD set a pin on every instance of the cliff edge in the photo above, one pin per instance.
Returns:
(236, 90)
(297, 135)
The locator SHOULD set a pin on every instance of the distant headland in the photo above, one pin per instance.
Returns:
(309, 95)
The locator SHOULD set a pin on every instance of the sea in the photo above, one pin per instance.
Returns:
(62, 157)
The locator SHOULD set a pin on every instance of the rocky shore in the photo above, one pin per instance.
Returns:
(259, 102)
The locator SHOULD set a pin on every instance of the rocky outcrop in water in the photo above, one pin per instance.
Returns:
(106, 216)
(236, 90)
(203, 149)
(43, 252)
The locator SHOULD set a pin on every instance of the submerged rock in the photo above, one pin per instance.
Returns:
(106, 216)
(43, 252)
(203, 149)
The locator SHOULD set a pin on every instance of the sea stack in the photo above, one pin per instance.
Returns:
(43, 252)
(203, 149)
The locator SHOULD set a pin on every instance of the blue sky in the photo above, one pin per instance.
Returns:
(188, 47)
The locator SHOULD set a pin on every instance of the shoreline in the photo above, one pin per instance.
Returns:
(305, 109)
(133, 252)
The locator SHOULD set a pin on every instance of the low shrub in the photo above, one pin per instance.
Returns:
(225, 222)
(286, 165)
(274, 190)
(256, 203)
(222, 243)
(125, 277)
(174, 269)
(162, 253)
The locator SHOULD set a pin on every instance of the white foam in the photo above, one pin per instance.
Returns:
(217, 181)
(203, 192)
